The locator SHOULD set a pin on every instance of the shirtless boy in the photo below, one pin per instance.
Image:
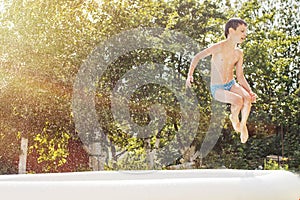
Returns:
(227, 57)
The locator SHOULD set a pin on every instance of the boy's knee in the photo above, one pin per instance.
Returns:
(247, 100)
(239, 102)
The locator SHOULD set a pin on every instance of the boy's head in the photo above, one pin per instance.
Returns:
(233, 23)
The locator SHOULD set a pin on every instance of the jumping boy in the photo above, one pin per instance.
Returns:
(227, 57)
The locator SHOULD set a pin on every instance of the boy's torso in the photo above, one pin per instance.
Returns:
(223, 62)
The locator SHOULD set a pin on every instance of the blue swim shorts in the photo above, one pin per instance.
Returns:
(226, 86)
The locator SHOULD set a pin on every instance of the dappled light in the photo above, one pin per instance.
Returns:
(50, 54)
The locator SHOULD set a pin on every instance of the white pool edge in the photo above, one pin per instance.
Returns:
(166, 185)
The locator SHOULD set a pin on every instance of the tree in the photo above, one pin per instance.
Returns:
(45, 45)
(271, 66)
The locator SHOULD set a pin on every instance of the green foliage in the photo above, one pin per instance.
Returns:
(51, 147)
(135, 159)
(272, 61)
(273, 165)
(44, 43)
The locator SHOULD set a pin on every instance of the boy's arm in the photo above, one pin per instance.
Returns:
(199, 56)
(241, 77)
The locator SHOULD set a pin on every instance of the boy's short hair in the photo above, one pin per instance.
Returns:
(233, 23)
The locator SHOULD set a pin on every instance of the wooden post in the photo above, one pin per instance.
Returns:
(94, 156)
(97, 157)
(98, 151)
(23, 156)
(149, 154)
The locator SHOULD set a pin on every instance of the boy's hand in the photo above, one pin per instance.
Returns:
(189, 81)
(253, 97)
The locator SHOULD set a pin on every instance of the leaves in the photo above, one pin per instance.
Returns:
(44, 44)
(51, 147)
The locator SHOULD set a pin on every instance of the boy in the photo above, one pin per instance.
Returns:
(225, 56)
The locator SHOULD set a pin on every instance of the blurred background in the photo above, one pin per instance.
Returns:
(44, 43)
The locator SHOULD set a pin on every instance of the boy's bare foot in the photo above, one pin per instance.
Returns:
(244, 133)
(235, 123)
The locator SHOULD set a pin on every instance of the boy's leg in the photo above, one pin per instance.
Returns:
(234, 117)
(236, 102)
(245, 111)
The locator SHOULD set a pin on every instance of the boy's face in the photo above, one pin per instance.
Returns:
(239, 35)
